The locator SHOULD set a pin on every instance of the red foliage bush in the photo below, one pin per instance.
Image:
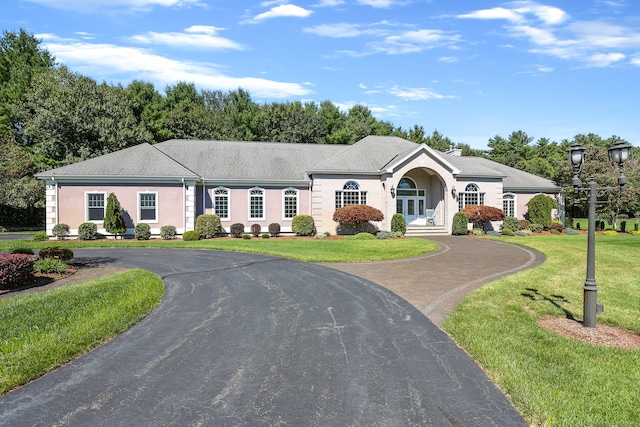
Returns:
(480, 214)
(15, 270)
(357, 214)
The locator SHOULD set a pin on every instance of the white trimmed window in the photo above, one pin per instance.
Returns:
(221, 203)
(95, 206)
(147, 207)
(470, 196)
(289, 202)
(350, 195)
(509, 204)
(256, 203)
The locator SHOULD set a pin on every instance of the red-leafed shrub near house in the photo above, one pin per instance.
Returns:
(356, 218)
(15, 270)
(481, 214)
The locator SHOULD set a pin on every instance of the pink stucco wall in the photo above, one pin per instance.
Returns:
(72, 208)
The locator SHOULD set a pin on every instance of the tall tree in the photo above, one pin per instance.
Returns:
(113, 217)
(21, 58)
(67, 117)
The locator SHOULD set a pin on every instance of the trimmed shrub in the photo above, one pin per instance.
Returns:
(274, 229)
(320, 236)
(56, 252)
(477, 232)
(39, 237)
(524, 224)
(246, 236)
(396, 234)
(357, 218)
(493, 233)
(460, 221)
(142, 231)
(15, 270)
(508, 232)
(510, 223)
(479, 215)
(113, 218)
(536, 228)
(382, 235)
(208, 225)
(556, 225)
(571, 232)
(523, 233)
(398, 224)
(303, 225)
(554, 231)
(236, 230)
(266, 235)
(540, 207)
(190, 236)
(168, 232)
(610, 233)
(87, 231)
(635, 232)
(50, 265)
(623, 226)
(255, 230)
(60, 231)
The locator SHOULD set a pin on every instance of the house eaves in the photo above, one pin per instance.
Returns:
(433, 154)
(255, 182)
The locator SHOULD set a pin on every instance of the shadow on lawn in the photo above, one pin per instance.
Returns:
(555, 300)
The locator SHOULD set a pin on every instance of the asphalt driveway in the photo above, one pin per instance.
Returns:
(244, 339)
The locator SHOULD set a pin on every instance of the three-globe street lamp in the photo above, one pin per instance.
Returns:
(618, 154)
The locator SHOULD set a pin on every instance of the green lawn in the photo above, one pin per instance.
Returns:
(583, 224)
(555, 380)
(309, 250)
(41, 331)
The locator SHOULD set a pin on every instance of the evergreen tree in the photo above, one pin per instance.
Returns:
(113, 218)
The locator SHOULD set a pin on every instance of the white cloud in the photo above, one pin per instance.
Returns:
(448, 59)
(604, 59)
(197, 36)
(417, 94)
(382, 4)
(93, 5)
(415, 41)
(519, 13)
(284, 10)
(344, 30)
(330, 3)
(495, 13)
(108, 62)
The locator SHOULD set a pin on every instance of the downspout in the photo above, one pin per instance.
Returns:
(57, 201)
(204, 196)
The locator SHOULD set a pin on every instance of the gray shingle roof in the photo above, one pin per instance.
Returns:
(242, 160)
(142, 160)
(273, 161)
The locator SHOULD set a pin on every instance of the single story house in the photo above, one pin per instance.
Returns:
(172, 182)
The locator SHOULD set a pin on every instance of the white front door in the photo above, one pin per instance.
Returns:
(412, 208)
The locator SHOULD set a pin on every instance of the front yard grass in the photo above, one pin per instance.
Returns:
(308, 250)
(553, 380)
(41, 331)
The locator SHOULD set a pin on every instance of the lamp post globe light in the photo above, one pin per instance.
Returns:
(618, 154)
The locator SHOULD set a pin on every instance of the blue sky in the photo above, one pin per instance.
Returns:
(470, 69)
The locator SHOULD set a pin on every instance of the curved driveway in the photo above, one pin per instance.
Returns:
(244, 339)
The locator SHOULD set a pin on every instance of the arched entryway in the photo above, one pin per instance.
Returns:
(419, 198)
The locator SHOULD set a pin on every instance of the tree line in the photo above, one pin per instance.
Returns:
(51, 116)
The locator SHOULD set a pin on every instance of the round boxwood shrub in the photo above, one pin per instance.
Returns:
(303, 225)
(508, 232)
(460, 222)
(236, 230)
(510, 223)
(610, 233)
(60, 231)
(142, 231)
(398, 224)
(536, 228)
(540, 207)
(39, 237)
(255, 230)
(168, 232)
(361, 236)
(266, 235)
(56, 252)
(190, 236)
(246, 236)
(208, 225)
(87, 231)
(274, 229)
(383, 235)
